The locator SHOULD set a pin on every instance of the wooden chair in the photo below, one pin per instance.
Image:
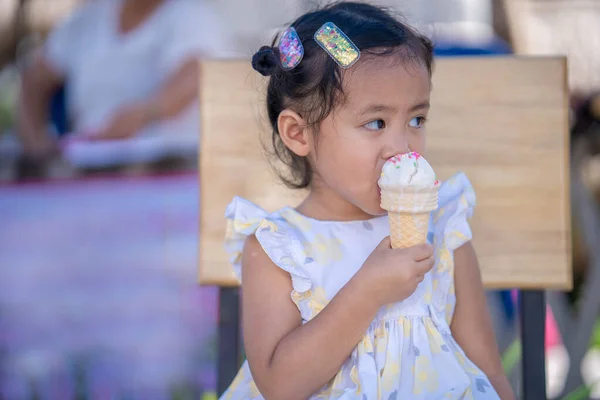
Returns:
(501, 120)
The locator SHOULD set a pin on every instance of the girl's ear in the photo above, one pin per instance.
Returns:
(294, 132)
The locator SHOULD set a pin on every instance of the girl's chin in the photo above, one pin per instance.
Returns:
(381, 212)
(371, 205)
(375, 211)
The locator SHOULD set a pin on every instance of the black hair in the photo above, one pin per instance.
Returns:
(314, 87)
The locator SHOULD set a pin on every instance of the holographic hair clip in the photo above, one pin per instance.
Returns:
(337, 45)
(291, 50)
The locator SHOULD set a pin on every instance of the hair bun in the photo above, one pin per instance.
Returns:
(265, 61)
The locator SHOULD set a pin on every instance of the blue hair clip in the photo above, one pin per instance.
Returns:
(291, 49)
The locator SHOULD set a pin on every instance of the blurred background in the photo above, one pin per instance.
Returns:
(99, 141)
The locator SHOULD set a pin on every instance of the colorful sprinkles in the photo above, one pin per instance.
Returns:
(337, 45)
(396, 159)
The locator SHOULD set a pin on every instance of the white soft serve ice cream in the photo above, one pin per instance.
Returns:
(408, 184)
(409, 169)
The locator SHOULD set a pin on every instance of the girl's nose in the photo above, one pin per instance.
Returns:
(397, 144)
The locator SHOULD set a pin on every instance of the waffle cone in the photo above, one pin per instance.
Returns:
(408, 229)
(408, 210)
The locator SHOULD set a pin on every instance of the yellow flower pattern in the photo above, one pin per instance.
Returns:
(467, 365)
(408, 351)
(298, 220)
(449, 308)
(354, 377)
(440, 213)
(254, 390)
(269, 225)
(426, 376)
(367, 344)
(298, 297)
(389, 375)
(313, 300)
(445, 260)
(317, 301)
(324, 250)
(436, 341)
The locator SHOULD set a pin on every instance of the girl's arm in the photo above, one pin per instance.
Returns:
(289, 360)
(471, 325)
(39, 82)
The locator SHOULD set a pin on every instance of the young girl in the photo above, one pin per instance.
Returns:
(330, 310)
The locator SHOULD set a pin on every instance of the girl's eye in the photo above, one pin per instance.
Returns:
(375, 125)
(417, 122)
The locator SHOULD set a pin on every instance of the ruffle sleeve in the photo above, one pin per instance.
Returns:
(279, 240)
(451, 230)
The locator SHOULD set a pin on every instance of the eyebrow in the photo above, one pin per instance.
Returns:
(378, 108)
(420, 106)
(384, 108)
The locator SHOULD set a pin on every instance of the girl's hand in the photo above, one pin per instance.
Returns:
(394, 274)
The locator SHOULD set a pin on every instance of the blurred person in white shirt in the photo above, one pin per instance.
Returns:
(130, 71)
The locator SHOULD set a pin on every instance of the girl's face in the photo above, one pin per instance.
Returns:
(384, 114)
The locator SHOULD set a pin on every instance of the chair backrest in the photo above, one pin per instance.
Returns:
(501, 120)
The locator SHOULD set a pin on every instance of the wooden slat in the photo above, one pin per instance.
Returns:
(502, 121)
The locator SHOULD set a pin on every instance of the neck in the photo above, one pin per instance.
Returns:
(322, 203)
(143, 5)
(135, 12)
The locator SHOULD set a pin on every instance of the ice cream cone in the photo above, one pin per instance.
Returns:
(407, 230)
(408, 211)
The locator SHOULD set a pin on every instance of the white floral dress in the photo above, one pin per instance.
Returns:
(408, 351)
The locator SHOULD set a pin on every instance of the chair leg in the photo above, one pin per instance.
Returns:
(533, 334)
(229, 337)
